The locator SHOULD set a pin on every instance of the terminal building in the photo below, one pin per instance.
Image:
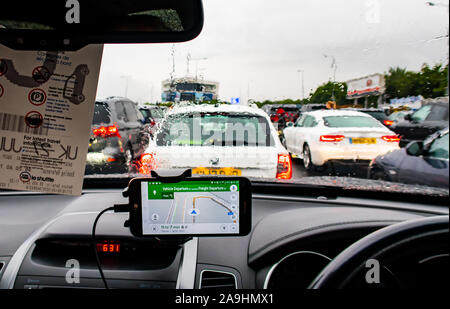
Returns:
(189, 89)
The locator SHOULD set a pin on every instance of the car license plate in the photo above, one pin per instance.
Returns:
(363, 140)
(227, 171)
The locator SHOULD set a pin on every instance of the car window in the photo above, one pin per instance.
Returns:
(438, 112)
(215, 130)
(145, 112)
(292, 74)
(309, 122)
(421, 114)
(377, 115)
(351, 122)
(102, 114)
(131, 111)
(397, 116)
(156, 113)
(120, 110)
(439, 148)
(300, 121)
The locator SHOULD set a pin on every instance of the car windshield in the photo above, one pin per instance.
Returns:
(422, 113)
(256, 69)
(377, 115)
(351, 122)
(155, 113)
(439, 148)
(215, 129)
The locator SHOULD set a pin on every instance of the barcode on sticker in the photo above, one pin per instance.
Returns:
(17, 123)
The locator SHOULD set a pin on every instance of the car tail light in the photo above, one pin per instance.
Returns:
(388, 122)
(107, 131)
(274, 118)
(284, 167)
(331, 138)
(391, 138)
(146, 163)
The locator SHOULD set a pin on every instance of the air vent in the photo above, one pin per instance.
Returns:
(214, 279)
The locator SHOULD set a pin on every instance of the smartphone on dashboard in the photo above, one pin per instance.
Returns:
(194, 206)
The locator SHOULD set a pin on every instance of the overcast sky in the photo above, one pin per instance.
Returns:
(254, 48)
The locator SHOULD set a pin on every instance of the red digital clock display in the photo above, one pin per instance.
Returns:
(108, 247)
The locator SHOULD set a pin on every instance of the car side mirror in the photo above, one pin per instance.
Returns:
(408, 117)
(415, 149)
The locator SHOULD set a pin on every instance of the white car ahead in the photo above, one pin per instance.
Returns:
(320, 136)
(218, 140)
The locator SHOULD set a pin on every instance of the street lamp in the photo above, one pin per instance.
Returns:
(196, 65)
(126, 83)
(440, 4)
(333, 65)
(303, 82)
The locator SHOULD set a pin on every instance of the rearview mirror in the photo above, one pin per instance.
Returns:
(73, 24)
(415, 149)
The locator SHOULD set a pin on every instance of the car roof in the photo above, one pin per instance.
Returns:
(149, 106)
(221, 108)
(366, 110)
(313, 105)
(113, 99)
(333, 112)
(431, 138)
(441, 103)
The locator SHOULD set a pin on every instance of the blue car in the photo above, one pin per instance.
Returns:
(423, 163)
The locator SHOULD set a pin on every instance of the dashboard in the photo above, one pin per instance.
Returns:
(45, 242)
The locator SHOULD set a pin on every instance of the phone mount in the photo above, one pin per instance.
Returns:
(177, 241)
(164, 179)
(172, 179)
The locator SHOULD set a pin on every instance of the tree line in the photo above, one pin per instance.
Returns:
(429, 82)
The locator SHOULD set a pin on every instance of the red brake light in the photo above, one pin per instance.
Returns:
(388, 122)
(284, 167)
(331, 138)
(108, 131)
(391, 138)
(146, 163)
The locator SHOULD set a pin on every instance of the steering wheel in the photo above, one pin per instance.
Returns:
(397, 239)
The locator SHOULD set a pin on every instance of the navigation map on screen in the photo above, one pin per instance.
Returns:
(190, 207)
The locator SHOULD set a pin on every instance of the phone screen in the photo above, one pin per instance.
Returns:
(190, 207)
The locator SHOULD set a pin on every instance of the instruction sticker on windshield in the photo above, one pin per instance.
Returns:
(46, 109)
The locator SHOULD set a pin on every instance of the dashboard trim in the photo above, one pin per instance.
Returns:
(217, 271)
(274, 266)
(355, 202)
(12, 269)
(188, 265)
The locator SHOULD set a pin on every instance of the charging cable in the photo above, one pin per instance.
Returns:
(116, 208)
